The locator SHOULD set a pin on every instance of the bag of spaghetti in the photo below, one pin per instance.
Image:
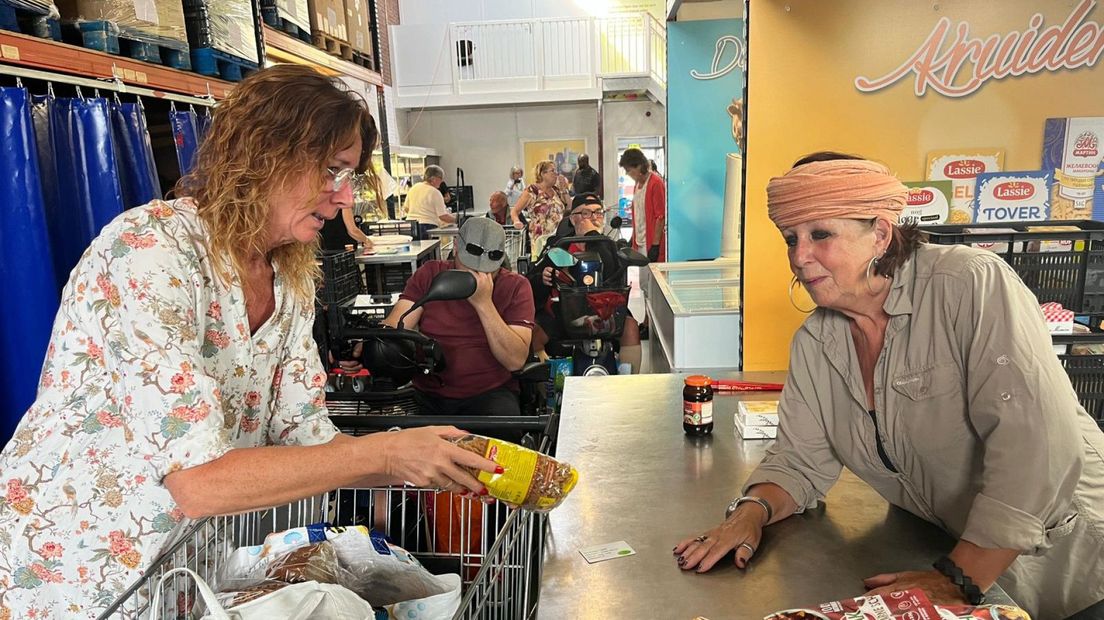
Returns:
(531, 480)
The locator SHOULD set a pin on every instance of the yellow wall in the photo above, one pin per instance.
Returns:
(804, 57)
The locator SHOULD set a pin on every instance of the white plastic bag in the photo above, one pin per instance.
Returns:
(308, 600)
(388, 576)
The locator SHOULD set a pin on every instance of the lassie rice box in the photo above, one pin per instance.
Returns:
(928, 203)
(961, 167)
(1012, 197)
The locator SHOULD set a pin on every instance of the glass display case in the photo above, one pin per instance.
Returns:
(694, 310)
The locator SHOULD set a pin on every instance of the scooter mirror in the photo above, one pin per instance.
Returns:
(616, 222)
(561, 257)
(447, 285)
(631, 257)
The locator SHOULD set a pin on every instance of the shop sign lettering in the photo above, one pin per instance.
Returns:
(964, 65)
(729, 53)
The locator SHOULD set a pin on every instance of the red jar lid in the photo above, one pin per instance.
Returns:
(698, 381)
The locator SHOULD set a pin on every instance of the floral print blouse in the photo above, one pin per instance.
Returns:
(151, 368)
(544, 212)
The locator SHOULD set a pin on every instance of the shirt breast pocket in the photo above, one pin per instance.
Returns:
(929, 383)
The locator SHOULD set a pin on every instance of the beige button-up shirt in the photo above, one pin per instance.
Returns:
(975, 426)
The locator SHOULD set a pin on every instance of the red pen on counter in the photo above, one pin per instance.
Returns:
(730, 385)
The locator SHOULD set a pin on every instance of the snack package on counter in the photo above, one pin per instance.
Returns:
(907, 605)
(532, 480)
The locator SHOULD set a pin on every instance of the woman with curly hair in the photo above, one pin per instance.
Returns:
(182, 380)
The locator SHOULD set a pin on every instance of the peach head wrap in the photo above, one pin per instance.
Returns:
(841, 188)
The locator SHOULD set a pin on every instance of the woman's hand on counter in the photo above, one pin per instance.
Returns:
(742, 531)
(939, 589)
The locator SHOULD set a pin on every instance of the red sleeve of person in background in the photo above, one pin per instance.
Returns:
(655, 208)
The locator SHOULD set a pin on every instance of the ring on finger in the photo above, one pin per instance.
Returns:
(750, 549)
(701, 539)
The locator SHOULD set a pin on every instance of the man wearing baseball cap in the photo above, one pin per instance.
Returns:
(587, 217)
(484, 338)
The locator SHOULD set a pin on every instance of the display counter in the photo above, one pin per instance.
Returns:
(694, 312)
(644, 482)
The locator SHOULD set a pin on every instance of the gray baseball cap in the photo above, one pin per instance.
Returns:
(479, 237)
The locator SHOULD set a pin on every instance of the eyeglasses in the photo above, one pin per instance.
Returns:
(476, 250)
(591, 213)
(341, 176)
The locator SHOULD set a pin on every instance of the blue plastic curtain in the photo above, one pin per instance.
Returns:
(89, 194)
(203, 123)
(26, 270)
(138, 172)
(186, 137)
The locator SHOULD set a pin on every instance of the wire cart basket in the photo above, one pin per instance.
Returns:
(515, 248)
(496, 550)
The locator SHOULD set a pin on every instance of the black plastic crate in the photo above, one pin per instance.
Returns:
(340, 277)
(390, 278)
(1085, 370)
(1073, 277)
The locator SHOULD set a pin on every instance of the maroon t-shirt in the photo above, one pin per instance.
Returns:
(470, 367)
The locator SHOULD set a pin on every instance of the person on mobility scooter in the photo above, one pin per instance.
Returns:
(581, 291)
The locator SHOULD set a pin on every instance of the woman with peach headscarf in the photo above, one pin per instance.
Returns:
(927, 371)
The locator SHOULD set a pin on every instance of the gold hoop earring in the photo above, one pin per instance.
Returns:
(794, 303)
(870, 273)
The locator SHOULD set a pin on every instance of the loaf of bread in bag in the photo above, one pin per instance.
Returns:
(531, 480)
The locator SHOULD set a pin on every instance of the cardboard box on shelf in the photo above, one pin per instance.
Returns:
(294, 11)
(328, 17)
(143, 20)
(1012, 197)
(999, 247)
(359, 23)
(929, 202)
(1073, 152)
(961, 167)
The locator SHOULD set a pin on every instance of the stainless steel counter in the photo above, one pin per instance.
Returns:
(643, 481)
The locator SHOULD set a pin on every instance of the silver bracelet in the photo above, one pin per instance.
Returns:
(750, 498)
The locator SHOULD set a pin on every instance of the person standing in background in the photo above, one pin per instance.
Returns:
(514, 186)
(586, 180)
(498, 209)
(563, 188)
(543, 206)
(425, 204)
(649, 206)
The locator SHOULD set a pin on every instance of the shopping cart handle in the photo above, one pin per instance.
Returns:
(730, 385)
(539, 423)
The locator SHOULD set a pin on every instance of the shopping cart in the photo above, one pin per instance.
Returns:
(495, 550)
(516, 250)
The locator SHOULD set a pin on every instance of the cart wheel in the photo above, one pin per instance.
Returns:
(358, 384)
